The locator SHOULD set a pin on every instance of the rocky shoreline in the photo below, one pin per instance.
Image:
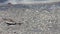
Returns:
(30, 19)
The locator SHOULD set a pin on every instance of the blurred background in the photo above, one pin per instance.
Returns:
(23, 1)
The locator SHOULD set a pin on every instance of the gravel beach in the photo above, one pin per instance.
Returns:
(30, 18)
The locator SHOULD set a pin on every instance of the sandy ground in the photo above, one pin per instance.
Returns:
(30, 19)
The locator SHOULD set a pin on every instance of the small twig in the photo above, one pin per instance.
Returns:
(11, 22)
